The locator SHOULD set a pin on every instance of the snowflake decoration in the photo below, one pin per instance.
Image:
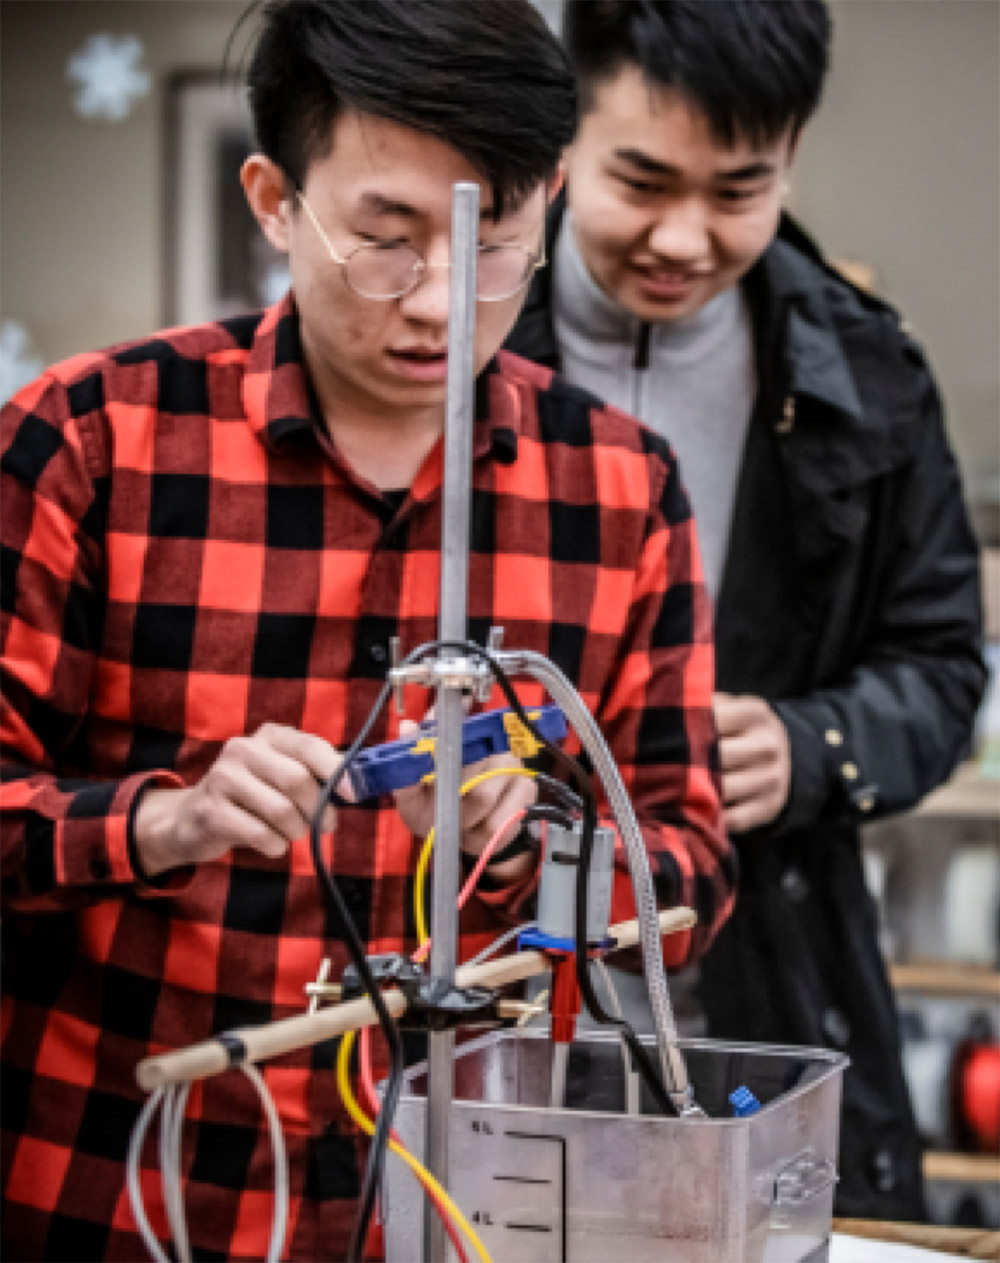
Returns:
(110, 77)
(17, 365)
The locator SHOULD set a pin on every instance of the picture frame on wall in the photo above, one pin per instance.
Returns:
(217, 261)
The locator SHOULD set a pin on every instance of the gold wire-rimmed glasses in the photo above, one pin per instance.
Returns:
(384, 270)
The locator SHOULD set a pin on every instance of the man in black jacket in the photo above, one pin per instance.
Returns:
(830, 515)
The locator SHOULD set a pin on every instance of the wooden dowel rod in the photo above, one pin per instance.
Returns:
(198, 1061)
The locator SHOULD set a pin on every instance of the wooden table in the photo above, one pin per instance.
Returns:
(970, 1243)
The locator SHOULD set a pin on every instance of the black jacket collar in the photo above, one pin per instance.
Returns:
(808, 320)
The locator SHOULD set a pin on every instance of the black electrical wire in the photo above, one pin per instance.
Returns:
(583, 781)
(377, 1150)
(585, 800)
(571, 800)
(376, 1154)
(383, 1123)
(544, 811)
(639, 1055)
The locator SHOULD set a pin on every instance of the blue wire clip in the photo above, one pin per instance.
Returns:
(551, 943)
(398, 764)
(744, 1103)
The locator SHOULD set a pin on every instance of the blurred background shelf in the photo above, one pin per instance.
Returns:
(935, 874)
(968, 794)
(946, 978)
(962, 1167)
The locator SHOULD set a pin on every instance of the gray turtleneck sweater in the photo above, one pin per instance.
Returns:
(694, 382)
(697, 388)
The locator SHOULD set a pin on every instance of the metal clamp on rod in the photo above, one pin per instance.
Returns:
(446, 671)
(475, 674)
(432, 1003)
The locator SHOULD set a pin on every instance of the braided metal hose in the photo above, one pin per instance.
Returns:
(673, 1068)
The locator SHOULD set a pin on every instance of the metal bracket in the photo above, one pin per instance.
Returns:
(394, 660)
(804, 1178)
(493, 642)
(452, 672)
(796, 1183)
(449, 671)
(437, 1005)
(390, 968)
(433, 1004)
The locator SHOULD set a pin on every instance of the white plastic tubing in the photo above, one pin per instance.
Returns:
(174, 1098)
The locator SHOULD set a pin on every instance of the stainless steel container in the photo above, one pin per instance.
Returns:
(591, 1183)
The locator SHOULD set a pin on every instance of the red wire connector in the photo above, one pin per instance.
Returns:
(564, 999)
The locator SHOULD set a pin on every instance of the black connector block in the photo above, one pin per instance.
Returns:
(433, 1004)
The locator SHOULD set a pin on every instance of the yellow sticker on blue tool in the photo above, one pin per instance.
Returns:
(398, 764)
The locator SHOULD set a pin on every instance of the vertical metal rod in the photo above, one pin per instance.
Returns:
(459, 420)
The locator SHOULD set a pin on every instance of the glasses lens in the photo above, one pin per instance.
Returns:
(501, 271)
(382, 271)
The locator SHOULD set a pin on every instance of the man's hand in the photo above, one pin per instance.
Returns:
(756, 761)
(260, 792)
(482, 811)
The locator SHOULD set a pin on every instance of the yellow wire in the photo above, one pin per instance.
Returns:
(420, 875)
(344, 1053)
(421, 1172)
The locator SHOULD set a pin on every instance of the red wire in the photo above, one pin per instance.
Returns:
(373, 1103)
(477, 872)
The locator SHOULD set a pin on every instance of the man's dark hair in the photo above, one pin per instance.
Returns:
(487, 77)
(753, 67)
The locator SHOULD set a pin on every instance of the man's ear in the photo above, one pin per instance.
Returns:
(266, 191)
(793, 145)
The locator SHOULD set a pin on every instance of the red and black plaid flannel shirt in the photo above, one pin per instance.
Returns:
(185, 557)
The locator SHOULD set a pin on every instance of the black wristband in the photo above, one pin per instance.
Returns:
(520, 844)
(522, 841)
(162, 879)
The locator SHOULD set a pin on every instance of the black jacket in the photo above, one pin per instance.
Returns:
(850, 600)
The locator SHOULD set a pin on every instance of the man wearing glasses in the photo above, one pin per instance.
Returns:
(210, 537)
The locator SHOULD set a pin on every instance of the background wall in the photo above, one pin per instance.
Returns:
(82, 202)
(900, 170)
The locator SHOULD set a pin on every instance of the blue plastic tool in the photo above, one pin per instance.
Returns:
(397, 764)
(744, 1103)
